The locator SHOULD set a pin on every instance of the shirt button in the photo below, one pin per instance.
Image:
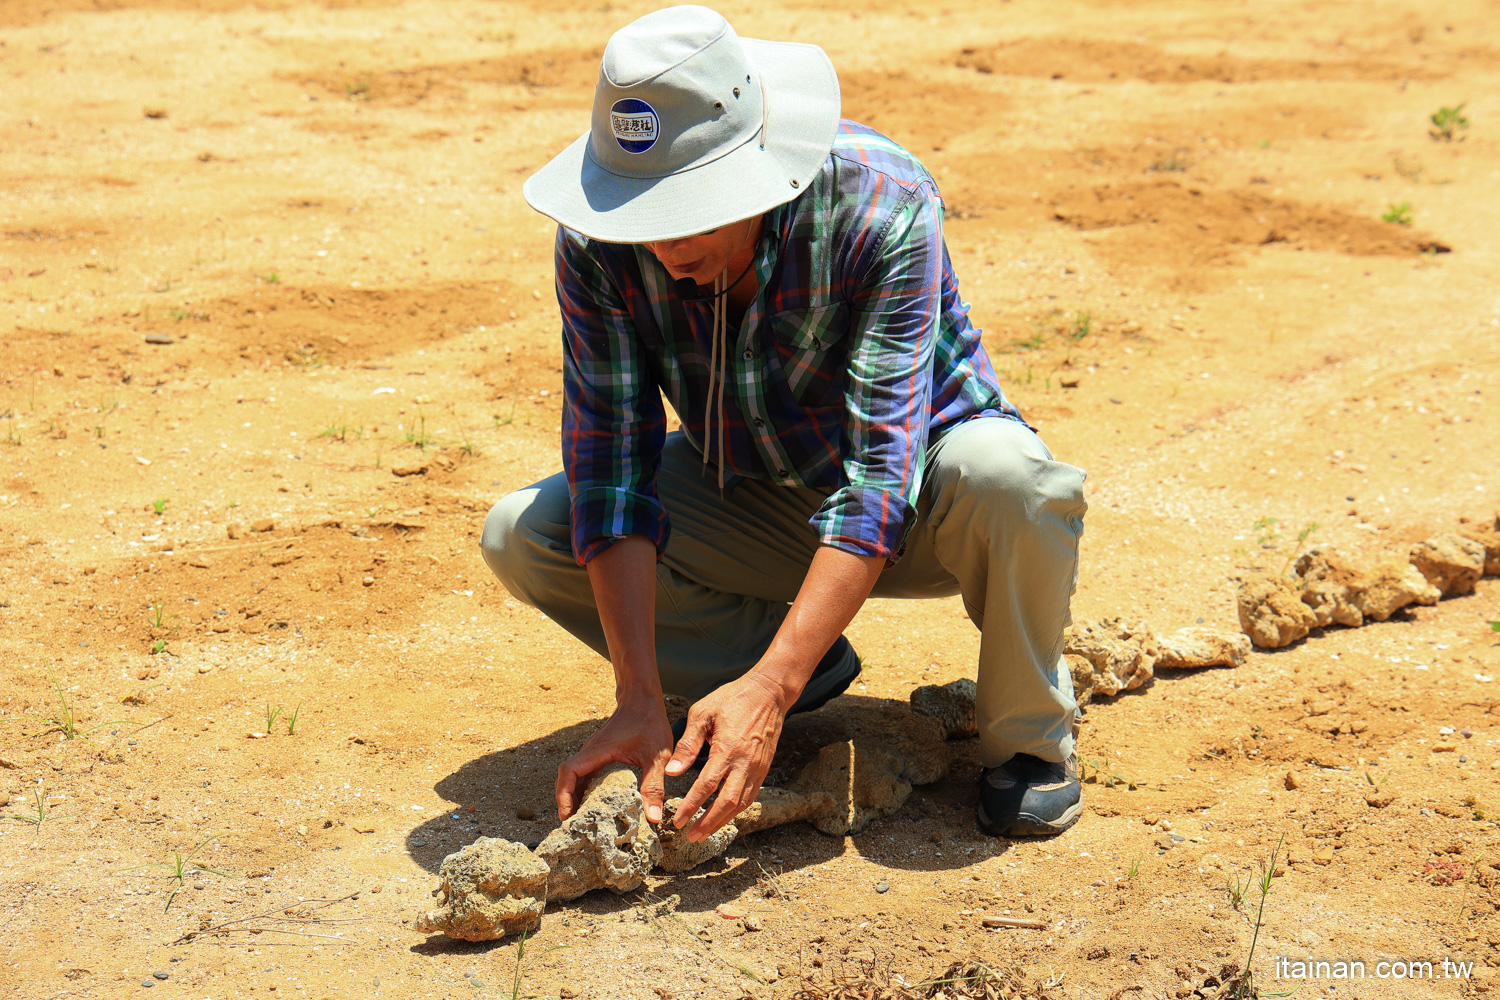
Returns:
(781, 473)
(749, 355)
(759, 422)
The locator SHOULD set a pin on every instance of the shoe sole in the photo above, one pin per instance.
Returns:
(1027, 825)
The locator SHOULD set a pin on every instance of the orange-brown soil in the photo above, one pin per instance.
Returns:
(1172, 209)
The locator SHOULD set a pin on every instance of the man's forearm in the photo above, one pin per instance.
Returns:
(835, 588)
(623, 577)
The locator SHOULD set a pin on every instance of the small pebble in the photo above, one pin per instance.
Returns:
(130, 742)
(161, 974)
(753, 922)
(1426, 812)
(199, 886)
(525, 813)
(1463, 760)
(1466, 733)
(882, 886)
(148, 983)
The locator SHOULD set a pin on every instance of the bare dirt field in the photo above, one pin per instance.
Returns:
(276, 329)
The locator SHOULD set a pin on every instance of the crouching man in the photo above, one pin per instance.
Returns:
(779, 276)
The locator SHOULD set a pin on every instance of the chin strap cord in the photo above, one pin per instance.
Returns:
(718, 361)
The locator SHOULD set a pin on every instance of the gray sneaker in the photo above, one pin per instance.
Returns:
(1030, 797)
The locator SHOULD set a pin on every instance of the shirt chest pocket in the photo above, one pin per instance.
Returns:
(810, 348)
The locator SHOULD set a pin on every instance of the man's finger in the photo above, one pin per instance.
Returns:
(713, 772)
(726, 806)
(573, 773)
(687, 748)
(653, 788)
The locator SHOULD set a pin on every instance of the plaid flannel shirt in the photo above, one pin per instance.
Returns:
(854, 357)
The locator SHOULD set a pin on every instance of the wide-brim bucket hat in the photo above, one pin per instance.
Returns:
(693, 128)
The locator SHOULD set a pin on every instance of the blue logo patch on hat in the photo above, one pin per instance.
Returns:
(635, 125)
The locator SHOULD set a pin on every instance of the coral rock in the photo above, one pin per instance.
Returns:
(1391, 586)
(606, 844)
(490, 889)
(1203, 647)
(951, 704)
(1084, 680)
(1331, 586)
(1450, 562)
(779, 806)
(1490, 539)
(1272, 613)
(1121, 652)
(917, 741)
(678, 854)
(863, 778)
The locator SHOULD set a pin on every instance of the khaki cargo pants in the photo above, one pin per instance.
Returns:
(998, 522)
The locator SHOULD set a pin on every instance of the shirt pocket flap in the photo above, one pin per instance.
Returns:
(811, 328)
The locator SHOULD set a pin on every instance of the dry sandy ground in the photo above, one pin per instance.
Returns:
(319, 205)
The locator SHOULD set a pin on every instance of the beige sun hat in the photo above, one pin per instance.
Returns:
(693, 128)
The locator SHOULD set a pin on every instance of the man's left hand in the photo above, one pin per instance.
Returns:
(742, 722)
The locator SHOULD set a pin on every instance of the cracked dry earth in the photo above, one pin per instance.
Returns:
(276, 329)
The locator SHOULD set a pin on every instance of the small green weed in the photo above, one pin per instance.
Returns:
(271, 715)
(1400, 214)
(180, 867)
(64, 721)
(159, 506)
(339, 430)
(158, 647)
(1262, 887)
(509, 418)
(1495, 626)
(178, 315)
(157, 617)
(1134, 869)
(1095, 771)
(1448, 124)
(1239, 890)
(418, 435)
(1169, 165)
(107, 406)
(291, 720)
(1081, 325)
(358, 89)
(271, 279)
(39, 805)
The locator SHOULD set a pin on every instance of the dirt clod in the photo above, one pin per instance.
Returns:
(951, 704)
(1272, 613)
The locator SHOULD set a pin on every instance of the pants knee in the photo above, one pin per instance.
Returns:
(1021, 483)
(521, 532)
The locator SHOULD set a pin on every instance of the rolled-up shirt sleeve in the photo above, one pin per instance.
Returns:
(613, 422)
(892, 333)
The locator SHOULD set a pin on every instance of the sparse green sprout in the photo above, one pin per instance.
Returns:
(158, 615)
(1495, 626)
(359, 88)
(271, 279)
(339, 430)
(1169, 165)
(1448, 124)
(1081, 325)
(39, 805)
(291, 720)
(180, 868)
(1400, 214)
(1134, 869)
(509, 418)
(158, 647)
(418, 434)
(158, 506)
(1244, 989)
(271, 716)
(64, 721)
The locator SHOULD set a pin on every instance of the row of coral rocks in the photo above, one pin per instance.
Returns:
(494, 887)
(1323, 588)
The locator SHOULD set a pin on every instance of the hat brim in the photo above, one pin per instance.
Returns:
(803, 117)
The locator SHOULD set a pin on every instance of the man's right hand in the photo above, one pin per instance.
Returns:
(637, 734)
